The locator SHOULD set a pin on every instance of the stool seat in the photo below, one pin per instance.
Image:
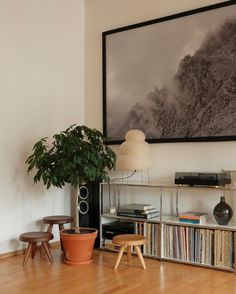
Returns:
(36, 237)
(129, 240)
(32, 238)
(58, 219)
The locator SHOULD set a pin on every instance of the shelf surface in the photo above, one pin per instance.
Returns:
(162, 186)
(173, 220)
(150, 220)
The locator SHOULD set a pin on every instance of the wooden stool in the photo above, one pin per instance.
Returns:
(129, 240)
(59, 220)
(32, 238)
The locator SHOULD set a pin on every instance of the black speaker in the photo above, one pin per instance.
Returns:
(88, 207)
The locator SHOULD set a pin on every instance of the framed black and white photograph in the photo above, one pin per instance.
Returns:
(174, 77)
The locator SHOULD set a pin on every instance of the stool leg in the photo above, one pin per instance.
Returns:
(61, 227)
(140, 256)
(49, 255)
(128, 253)
(49, 230)
(27, 254)
(119, 257)
(33, 250)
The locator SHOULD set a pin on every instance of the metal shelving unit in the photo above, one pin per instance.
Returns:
(105, 216)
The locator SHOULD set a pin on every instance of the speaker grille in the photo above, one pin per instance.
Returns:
(83, 207)
(83, 192)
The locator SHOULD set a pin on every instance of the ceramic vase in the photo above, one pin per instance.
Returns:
(222, 212)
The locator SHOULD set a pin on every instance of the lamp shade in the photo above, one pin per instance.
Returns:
(134, 153)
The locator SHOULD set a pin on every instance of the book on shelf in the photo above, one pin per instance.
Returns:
(193, 217)
(136, 207)
(191, 221)
(138, 211)
(138, 215)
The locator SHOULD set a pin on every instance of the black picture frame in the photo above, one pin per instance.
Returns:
(121, 77)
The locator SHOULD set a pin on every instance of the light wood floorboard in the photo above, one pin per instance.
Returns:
(39, 276)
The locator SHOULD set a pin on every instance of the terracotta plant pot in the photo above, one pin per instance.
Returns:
(78, 245)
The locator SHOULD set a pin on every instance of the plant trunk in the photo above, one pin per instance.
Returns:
(75, 208)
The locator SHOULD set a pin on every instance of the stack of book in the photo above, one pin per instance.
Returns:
(138, 210)
(193, 217)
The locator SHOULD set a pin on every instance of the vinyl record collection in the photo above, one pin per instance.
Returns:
(204, 246)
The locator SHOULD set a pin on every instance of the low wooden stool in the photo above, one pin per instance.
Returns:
(32, 238)
(59, 220)
(129, 240)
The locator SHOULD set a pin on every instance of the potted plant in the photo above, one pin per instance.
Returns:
(76, 156)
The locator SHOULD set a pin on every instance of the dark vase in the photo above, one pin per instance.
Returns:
(222, 212)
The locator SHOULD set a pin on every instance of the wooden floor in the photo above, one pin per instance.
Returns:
(39, 276)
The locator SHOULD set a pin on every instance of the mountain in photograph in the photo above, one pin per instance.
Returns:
(201, 99)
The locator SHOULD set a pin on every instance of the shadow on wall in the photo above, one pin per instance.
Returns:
(31, 202)
(37, 225)
(23, 182)
(16, 244)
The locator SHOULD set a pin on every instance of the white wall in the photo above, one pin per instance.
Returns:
(41, 93)
(102, 15)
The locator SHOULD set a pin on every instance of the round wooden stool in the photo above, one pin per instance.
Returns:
(32, 238)
(129, 240)
(59, 220)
